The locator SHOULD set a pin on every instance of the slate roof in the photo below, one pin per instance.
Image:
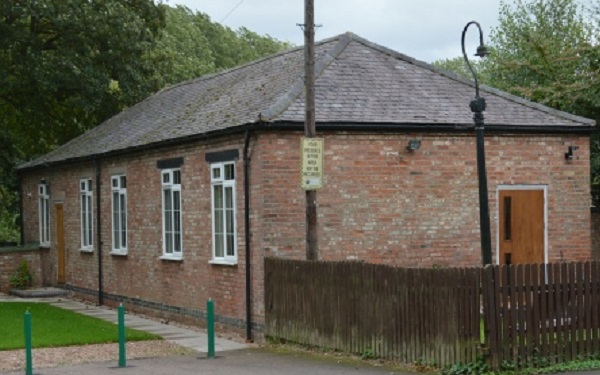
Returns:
(358, 82)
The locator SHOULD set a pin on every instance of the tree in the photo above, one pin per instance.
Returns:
(546, 51)
(181, 52)
(458, 66)
(68, 65)
(191, 45)
(64, 69)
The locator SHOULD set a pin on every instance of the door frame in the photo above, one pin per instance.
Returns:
(522, 187)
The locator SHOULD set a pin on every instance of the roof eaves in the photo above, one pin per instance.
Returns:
(432, 128)
(37, 164)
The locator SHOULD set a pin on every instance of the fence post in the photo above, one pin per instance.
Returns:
(122, 350)
(489, 315)
(210, 327)
(28, 357)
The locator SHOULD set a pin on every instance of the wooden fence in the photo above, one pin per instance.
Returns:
(538, 315)
(534, 315)
(410, 315)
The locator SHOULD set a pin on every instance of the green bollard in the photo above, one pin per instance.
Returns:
(28, 358)
(210, 327)
(122, 352)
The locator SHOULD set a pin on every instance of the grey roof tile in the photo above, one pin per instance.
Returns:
(357, 82)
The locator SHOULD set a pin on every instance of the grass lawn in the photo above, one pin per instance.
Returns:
(52, 326)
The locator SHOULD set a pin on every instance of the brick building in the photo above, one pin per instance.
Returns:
(179, 198)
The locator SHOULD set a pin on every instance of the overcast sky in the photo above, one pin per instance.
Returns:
(427, 30)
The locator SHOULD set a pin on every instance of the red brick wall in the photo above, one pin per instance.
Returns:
(380, 203)
(141, 275)
(10, 261)
(383, 203)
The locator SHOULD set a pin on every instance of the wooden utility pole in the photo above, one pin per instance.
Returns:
(312, 245)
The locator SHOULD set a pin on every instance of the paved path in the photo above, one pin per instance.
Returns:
(233, 358)
(243, 362)
(188, 338)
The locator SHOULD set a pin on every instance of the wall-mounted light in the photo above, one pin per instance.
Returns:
(569, 153)
(414, 144)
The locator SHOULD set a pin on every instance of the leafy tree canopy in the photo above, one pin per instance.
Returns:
(64, 65)
(547, 51)
(68, 65)
(544, 50)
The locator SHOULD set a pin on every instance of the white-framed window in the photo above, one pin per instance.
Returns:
(87, 212)
(223, 213)
(171, 210)
(119, 214)
(44, 210)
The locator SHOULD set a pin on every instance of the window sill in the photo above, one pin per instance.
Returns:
(45, 246)
(172, 258)
(119, 254)
(223, 262)
(86, 251)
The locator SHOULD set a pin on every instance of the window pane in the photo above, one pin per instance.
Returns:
(116, 216)
(177, 177)
(46, 219)
(218, 221)
(166, 178)
(219, 246)
(83, 220)
(230, 245)
(229, 172)
(229, 221)
(115, 182)
(123, 221)
(218, 196)
(168, 210)
(177, 200)
(168, 218)
(229, 197)
(169, 243)
(177, 219)
(219, 229)
(229, 233)
(123, 182)
(216, 173)
(89, 223)
(177, 242)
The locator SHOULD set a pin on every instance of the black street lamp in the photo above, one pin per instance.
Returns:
(477, 107)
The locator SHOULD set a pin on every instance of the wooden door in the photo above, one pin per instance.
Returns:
(522, 226)
(60, 240)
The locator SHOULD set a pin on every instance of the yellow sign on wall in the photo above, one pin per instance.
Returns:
(312, 163)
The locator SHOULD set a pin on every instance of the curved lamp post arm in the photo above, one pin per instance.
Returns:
(482, 51)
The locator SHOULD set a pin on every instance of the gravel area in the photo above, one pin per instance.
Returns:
(11, 360)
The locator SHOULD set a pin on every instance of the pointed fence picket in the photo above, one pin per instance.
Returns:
(542, 314)
(533, 315)
(410, 315)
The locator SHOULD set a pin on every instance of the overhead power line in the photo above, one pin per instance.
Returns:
(231, 11)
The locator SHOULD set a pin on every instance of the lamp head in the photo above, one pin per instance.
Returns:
(482, 51)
